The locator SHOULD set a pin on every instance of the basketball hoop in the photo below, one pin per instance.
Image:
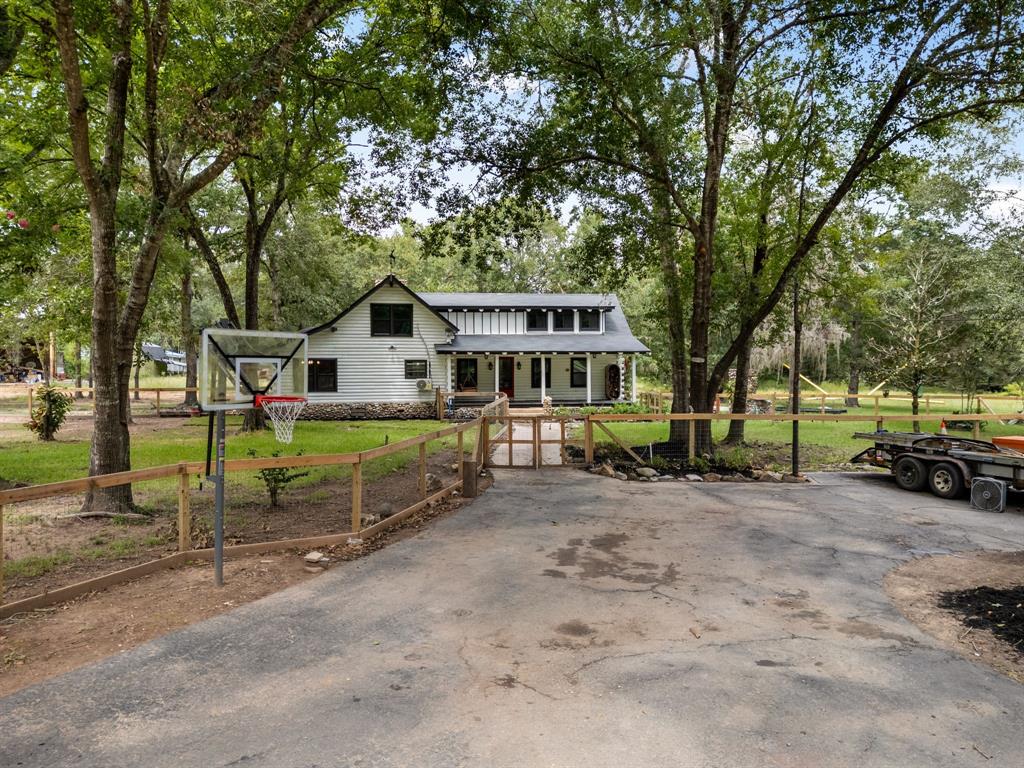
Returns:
(283, 410)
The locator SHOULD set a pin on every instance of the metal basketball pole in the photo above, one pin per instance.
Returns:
(218, 515)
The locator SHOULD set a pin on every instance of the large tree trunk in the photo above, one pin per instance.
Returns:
(276, 295)
(78, 370)
(110, 450)
(856, 355)
(136, 395)
(189, 342)
(737, 429)
(678, 431)
(915, 405)
(740, 394)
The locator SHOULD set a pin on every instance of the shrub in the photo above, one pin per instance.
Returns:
(277, 478)
(51, 410)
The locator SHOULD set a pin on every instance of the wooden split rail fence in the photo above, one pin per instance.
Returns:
(186, 469)
(500, 450)
(137, 392)
(661, 401)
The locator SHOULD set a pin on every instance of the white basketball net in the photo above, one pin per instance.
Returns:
(283, 414)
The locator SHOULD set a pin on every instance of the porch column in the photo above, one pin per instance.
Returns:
(632, 391)
(449, 386)
(497, 367)
(622, 376)
(588, 378)
(543, 390)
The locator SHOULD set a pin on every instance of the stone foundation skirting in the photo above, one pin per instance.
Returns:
(345, 411)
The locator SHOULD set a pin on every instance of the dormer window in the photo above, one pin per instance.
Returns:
(590, 320)
(537, 320)
(563, 322)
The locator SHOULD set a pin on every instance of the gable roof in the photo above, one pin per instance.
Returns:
(497, 301)
(391, 281)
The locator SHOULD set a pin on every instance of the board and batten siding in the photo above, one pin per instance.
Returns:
(488, 322)
(368, 370)
(491, 322)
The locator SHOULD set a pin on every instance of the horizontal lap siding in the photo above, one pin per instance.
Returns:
(370, 372)
(560, 389)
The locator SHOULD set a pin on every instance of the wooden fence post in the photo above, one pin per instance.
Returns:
(184, 511)
(30, 403)
(561, 442)
(158, 402)
(876, 406)
(357, 497)
(976, 430)
(460, 449)
(1, 554)
(423, 470)
(928, 405)
(588, 440)
(511, 429)
(537, 458)
(469, 478)
(691, 438)
(823, 403)
(485, 439)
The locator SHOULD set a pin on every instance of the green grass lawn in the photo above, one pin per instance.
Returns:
(837, 437)
(24, 459)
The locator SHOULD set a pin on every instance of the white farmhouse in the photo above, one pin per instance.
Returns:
(387, 352)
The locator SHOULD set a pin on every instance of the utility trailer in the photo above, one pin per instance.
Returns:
(946, 465)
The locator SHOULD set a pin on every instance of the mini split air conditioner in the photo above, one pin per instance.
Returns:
(423, 384)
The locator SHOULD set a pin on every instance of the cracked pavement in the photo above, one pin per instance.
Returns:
(568, 620)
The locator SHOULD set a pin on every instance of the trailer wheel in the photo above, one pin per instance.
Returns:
(910, 473)
(945, 480)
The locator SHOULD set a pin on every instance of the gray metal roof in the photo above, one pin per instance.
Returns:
(616, 338)
(443, 301)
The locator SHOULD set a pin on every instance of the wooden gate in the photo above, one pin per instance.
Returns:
(533, 441)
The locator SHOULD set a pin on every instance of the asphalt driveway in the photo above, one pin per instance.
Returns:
(569, 620)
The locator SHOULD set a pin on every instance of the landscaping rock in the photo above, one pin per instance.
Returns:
(314, 557)
(712, 477)
(454, 467)
(385, 510)
(367, 519)
(433, 482)
(621, 476)
(694, 478)
(646, 472)
(793, 479)
(607, 470)
(771, 477)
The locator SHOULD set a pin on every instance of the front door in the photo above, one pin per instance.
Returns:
(507, 376)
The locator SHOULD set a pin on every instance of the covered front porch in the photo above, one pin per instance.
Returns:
(528, 379)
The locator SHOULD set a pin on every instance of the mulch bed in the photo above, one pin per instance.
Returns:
(1000, 611)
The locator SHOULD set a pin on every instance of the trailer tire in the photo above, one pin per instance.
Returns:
(910, 473)
(945, 480)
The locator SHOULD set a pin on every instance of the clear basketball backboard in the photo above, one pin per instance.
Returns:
(235, 366)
